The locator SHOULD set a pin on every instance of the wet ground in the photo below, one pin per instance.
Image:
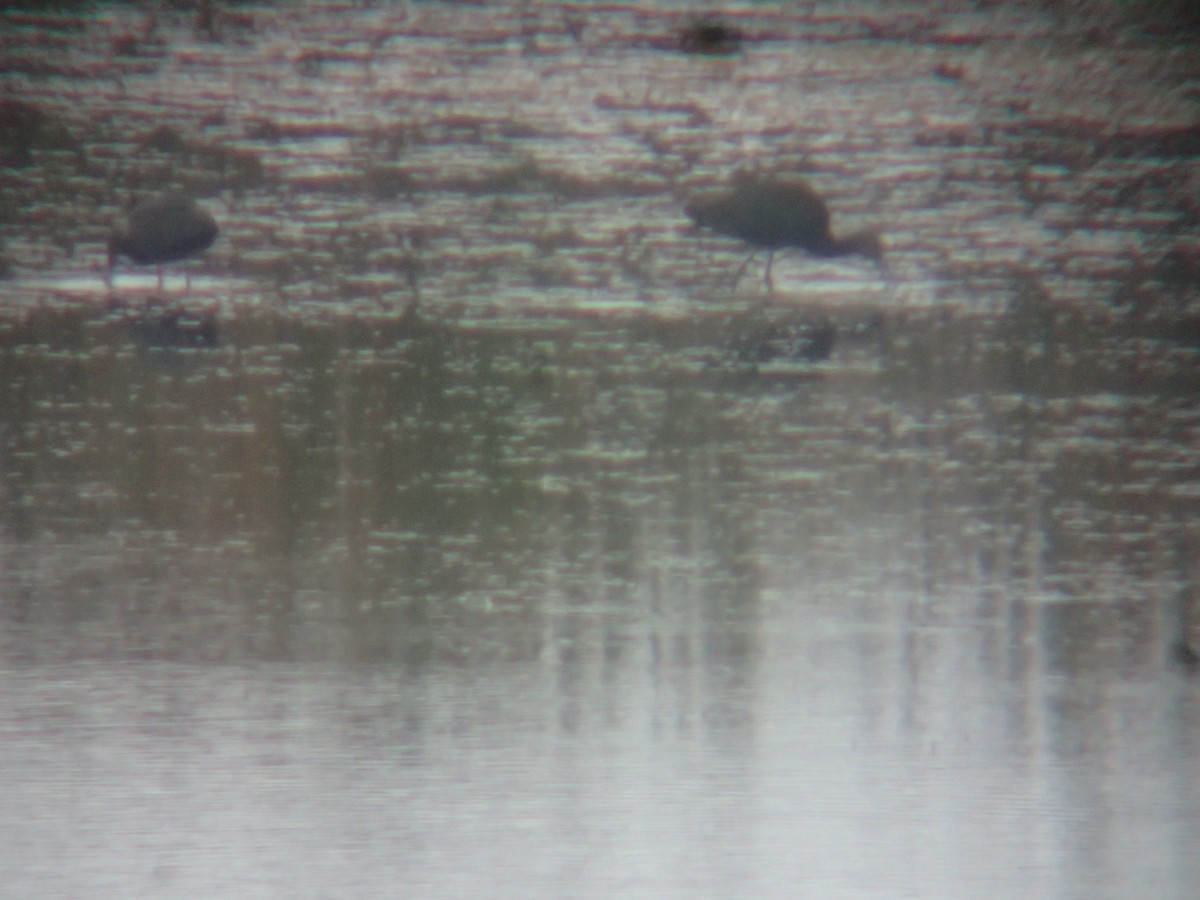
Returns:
(464, 527)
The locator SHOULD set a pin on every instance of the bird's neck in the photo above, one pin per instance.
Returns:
(118, 245)
(862, 242)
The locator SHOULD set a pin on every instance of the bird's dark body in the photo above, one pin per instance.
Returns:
(164, 230)
(768, 214)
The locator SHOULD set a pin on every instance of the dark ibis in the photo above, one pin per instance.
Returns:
(710, 37)
(165, 229)
(1185, 656)
(772, 213)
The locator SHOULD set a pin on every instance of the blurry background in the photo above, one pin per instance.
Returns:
(463, 530)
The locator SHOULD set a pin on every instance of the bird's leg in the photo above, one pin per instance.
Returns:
(767, 277)
(742, 270)
(160, 279)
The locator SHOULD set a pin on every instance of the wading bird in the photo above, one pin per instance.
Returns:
(772, 213)
(162, 230)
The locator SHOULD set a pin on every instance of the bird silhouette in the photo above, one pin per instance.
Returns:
(164, 229)
(772, 213)
(710, 37)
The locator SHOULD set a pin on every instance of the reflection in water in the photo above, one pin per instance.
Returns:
(512, 610)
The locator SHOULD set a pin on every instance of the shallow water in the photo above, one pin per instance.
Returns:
(463, 528)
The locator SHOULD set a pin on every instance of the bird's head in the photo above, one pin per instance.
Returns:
(709, 209)
(698, 211)
(866, 243)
